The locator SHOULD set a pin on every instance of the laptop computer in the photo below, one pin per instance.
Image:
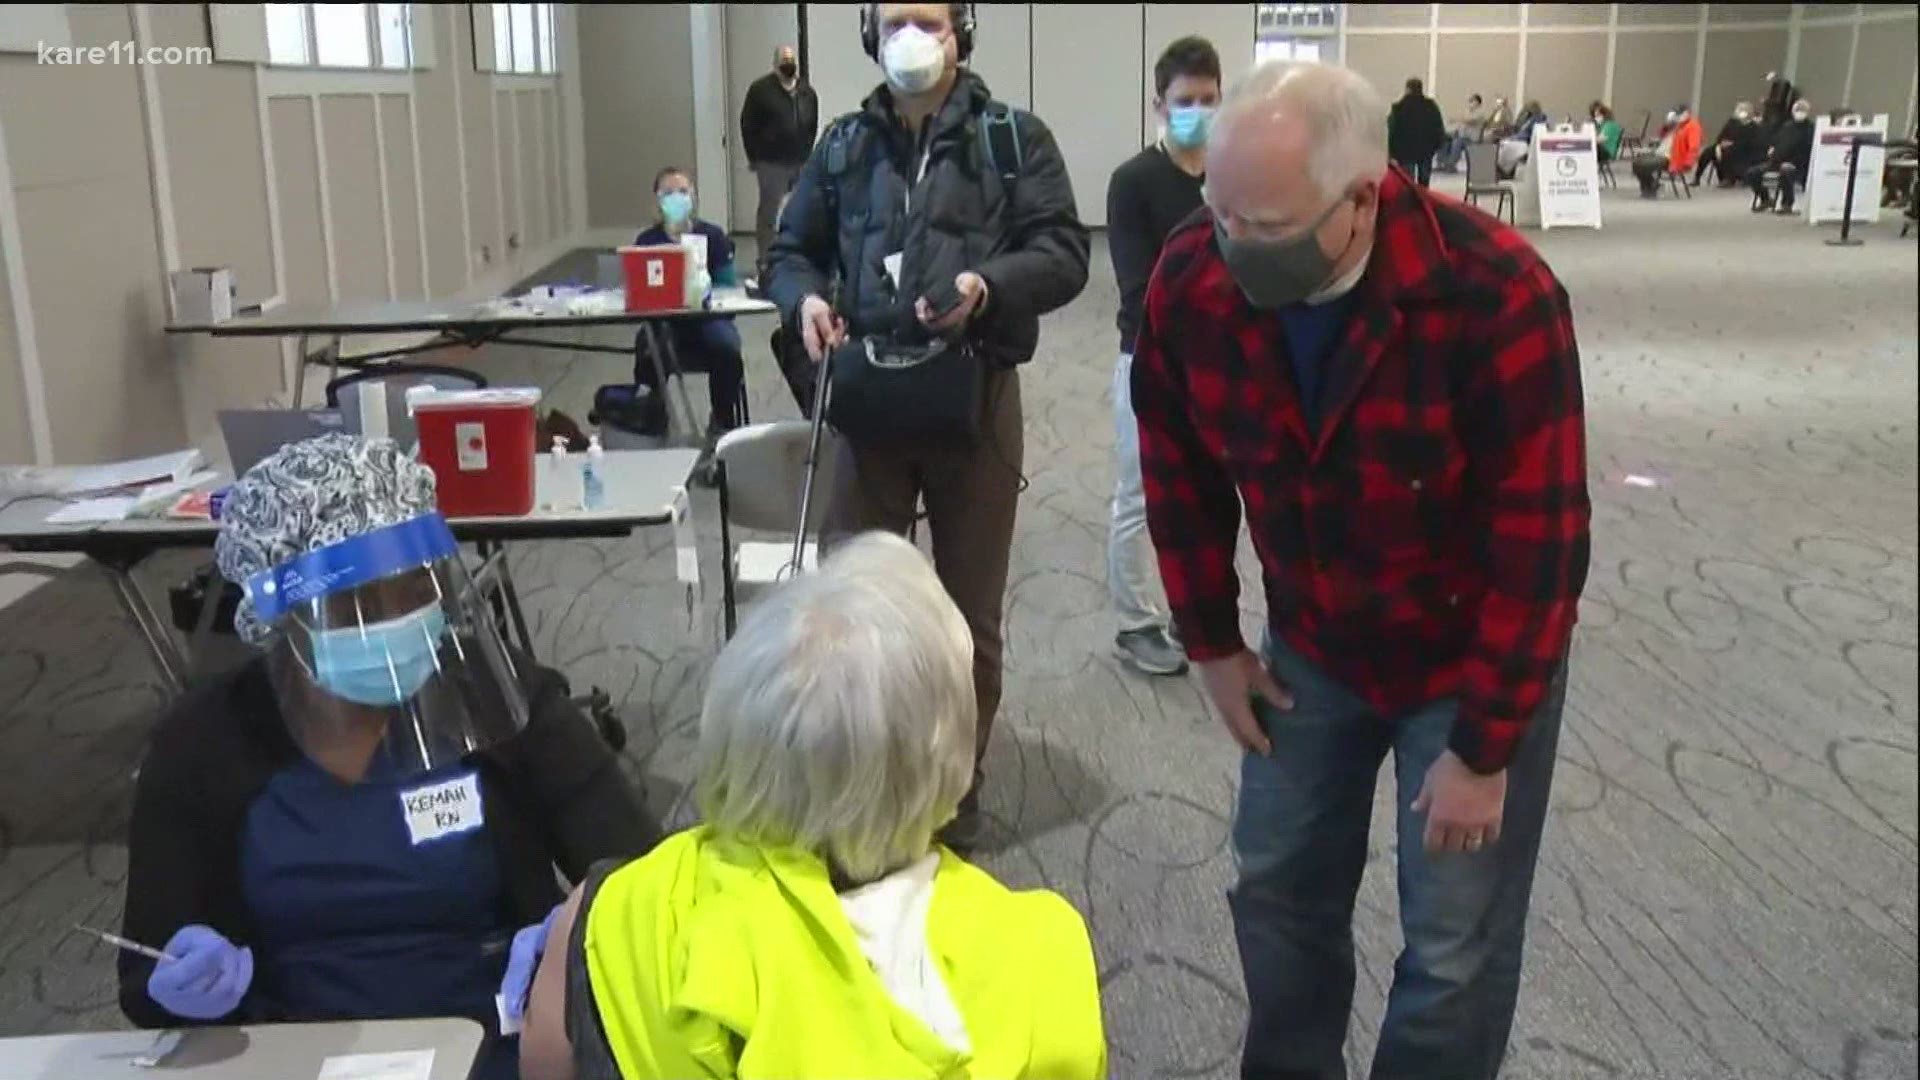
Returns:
(254, 434)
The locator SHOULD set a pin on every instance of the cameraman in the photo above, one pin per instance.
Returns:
(978, 249)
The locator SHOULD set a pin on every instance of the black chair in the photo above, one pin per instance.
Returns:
(1607, 177)
(1677, 183)
(1483, 179)
(343, 391)
(1633, 144)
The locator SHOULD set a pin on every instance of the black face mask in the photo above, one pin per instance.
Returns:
(788, 70)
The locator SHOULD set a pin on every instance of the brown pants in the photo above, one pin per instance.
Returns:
(971, 498)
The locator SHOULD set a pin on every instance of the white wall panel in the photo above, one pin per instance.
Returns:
(839, 70)
(1077, 91)
(1003, 51)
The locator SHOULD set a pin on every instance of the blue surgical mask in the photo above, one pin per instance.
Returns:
(676, 207)
(1187, 125)
(382, 663)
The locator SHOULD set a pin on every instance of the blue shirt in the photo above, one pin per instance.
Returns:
(1313, 331)
(719, 247)
(376, 900)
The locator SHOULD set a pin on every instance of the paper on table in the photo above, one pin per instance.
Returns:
(114, 475)
(405, 1065)
(90, 511)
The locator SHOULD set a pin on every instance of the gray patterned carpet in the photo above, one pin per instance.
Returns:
(1728, 886)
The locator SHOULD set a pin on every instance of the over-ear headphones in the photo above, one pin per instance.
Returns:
(961, 15)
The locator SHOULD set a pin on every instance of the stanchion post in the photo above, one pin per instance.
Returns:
(1846, 212)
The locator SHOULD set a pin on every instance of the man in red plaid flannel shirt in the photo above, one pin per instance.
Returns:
(1388, 382)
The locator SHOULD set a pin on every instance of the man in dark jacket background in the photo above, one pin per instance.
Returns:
(777, 124)
(899, 208)
(1415, 132)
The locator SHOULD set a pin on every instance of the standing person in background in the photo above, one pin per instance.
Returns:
(1152, 192)
(1468, 129)
(904, 203)
(1389, 384)
(1778, 106)
(1415, 132)
(777, 125)
(1790, 154)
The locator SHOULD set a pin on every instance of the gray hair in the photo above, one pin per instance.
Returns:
(840, 719)
(1346, 118)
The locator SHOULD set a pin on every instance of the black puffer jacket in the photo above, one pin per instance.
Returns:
(1027, 242)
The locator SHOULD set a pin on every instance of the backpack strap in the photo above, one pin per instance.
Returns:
(1000, 145)
(844, 148)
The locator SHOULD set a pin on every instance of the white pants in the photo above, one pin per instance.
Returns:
(1131, 571)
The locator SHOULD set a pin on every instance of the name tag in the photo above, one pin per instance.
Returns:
(437, 810)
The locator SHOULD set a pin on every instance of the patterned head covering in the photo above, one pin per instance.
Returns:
(308, 495)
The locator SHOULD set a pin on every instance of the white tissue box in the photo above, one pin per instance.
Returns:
(202, 295)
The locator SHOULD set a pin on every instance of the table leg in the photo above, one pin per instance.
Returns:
(666, 364)
(167, 661)
(506, 598)
(299, 373)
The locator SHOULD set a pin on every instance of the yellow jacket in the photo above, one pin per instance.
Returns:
(713, 958)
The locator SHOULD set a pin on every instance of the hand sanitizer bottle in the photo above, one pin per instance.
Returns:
(593, 487)
(563, 489)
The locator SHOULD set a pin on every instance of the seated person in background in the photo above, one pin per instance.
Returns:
(1789, 154)
(710, 345)
(1607, 131)
(1467, 129)
(1499, 122)
(812, 928)
(1678, 151)
(1515, 148)
(354, 824)
(1739, 144)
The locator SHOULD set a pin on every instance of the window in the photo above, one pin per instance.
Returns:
(1295, 16)
(543, 18)
(1287, 48)
(340, 35)
(287, 34)
(523, 39)
(396, 35)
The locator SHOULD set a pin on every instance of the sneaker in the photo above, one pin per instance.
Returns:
(1150, 651)
(1783, 210)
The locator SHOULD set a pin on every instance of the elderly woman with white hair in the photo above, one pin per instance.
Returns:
(812, 927)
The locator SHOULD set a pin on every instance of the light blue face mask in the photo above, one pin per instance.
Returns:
(1188, 125)
(380, 664)
(676, 207)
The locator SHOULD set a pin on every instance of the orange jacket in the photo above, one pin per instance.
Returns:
(1684, 154)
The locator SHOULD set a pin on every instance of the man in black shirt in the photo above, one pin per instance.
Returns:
(1148, 195)
(778, 122)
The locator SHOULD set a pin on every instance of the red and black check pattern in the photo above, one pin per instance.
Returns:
(1430, 540)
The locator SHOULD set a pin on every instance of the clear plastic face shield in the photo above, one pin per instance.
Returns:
(385, 660)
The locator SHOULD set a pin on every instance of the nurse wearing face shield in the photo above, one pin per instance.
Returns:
(363, 821)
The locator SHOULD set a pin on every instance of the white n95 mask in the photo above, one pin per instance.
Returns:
(913, 60)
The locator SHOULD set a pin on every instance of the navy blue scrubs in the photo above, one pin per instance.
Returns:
(376, 900)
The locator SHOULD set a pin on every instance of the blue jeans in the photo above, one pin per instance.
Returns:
(1300, 841)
